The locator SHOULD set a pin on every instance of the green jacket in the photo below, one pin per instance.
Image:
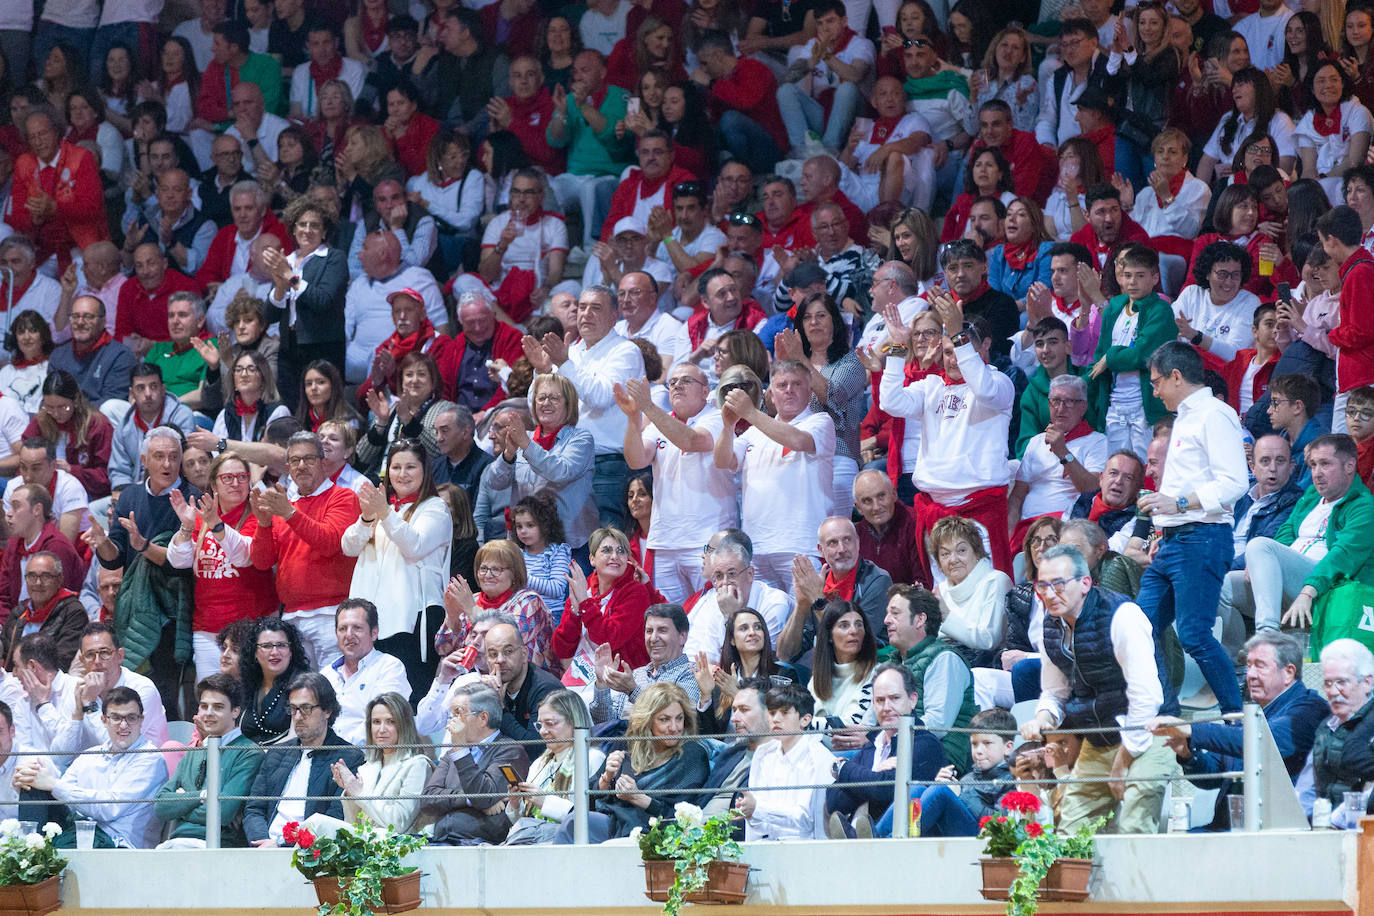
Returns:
(149, 596)
(264, 70)
(1035, 406)
(182, 372)
(1155, 329)
(918, 659)
(1349, 537)
(179, 801)
(591, 153)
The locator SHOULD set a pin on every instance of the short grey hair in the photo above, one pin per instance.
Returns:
(248, 186)
(493, 615)
(461, 415)
(902, 274)
(197, 303)
(478, 296)
(1072, 383)
(1287, 650)
(56, 560)
(1080, 565)
(1090, 531)
(305, 437)
(161, 432)
(24, 244)
(1352, 651)
(736, 541)
(482, 698)
(601, 289)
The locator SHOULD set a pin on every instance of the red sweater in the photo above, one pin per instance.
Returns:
(634, 186)
(413, 149)
(312, 570)
(224, 592)
(620, 622)
(1032, 175)
(91, 465)
(219, 260)
(1234, 373)
(145, 313)
(529, 121)
(75, 188)
(51, 540)
(1354, 335)
(793, 234)
(752, 90)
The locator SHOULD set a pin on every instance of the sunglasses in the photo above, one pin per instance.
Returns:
(688, 188)
(915, 43)
(744, 219)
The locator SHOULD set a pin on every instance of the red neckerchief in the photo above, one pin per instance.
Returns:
(22, 550)
(844, 40)
(245, 410)
(1078, 432)
(647, 187)
(144, 427)
(1019, 256)
(321, 75)
(18, 293)
(373, 33)
(177, 349)
(545, 439)
(76, 136)
(1066, 307)
(51, 485)
(531, 109)
(233, 516)
(1240, 177)
(700, 321)
(401, 347)
(1099, 248)
(1327, 125)
(33, 614)
(20, 362)
(883, 128)
(843, 587)
(977, 293)
(398, 501)
(911, 372)
(1100, 508)
(1176, 183)
(99, 342)
(315, 421)
(491, 604)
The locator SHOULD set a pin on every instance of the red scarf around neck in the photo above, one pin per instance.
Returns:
(144, 427)
(91, 133)
(398, 501)
(897, 428)
(39, 614)
(1176, 183)
(1019, 256)
(844, 40)
(245, 410)
(842, 587)
(975, 295)
(1327, 125)
(323, 74)
(1068, 308)
(18, 295)
(21, 362)
(1100, 508)
(401, 347)
(316, 420)
(374, 33)
(99, 342)
(882, 129)
(545, 439)
(491, 604)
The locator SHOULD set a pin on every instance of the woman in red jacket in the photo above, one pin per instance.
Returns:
(215, 542)
(608, 608)
(83, 435)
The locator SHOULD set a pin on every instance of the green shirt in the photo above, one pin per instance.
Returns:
(264, 70)
(182, 372)
(589, 152)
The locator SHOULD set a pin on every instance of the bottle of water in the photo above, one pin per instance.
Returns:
(1181, 818)
(1321, 814)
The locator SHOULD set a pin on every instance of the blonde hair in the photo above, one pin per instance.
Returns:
(990, 56)
(953, 529)
(507, 554)
(565, 388)
(374, 146)
(651, 701)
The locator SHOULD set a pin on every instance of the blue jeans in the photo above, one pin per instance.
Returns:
(1183, 586)
(748, 142)
(50, 33)
(1134, 164)
(800, 113)
(942, 814)
(1025, 679)
(608, 489)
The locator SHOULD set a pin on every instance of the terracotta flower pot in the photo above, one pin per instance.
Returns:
(725, 882)
(399, 894)
(1068, 880)
(658, 879)
(31, 899)
(998, 874)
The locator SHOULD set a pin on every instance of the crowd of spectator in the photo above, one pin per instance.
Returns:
(392, 388)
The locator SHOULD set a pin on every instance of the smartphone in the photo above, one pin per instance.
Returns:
(632, 106)
(1284, 293)
(889, 30)
(508, 771)
(1069, 169)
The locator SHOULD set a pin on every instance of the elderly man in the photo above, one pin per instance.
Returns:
(527, 113)
(404, 220)
(142, 316)
(231, 251)
(1060, 464)
(734, 584)
(301, 539)
(1112, 504)
(894, 283)
(847, 577)
(742, 100)
(628, 250)
(256, 128)
(521, 685)
(23, 285)
(255, 281)
(368, 304)
(101, 275)
(1342, 758)
(326, 63)
(466, 793)
(216, 182)
(459, 462)
(175, 223)
(483, 337)
(49, 608)
(595, 365)
(648, 186)
(887, 529)
(665, 634)
(1111, 570)
(692, 497)
(188, 355)
(32, 530)
(362, 672)
(845, 263)
(141, 197)
(307, 762)
(152, 406)
(1097, 668)
(1049, 350)
(820, 184)
(583, 123)
(93, 779)
(681, 235)
(524, 248)
(55, 193)
(37, 466)
(885, 160)
(785, 465)
(732, 193)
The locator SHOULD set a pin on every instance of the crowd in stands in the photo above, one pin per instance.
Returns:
(391, 388)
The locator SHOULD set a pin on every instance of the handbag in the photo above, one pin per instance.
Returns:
(1344, 612)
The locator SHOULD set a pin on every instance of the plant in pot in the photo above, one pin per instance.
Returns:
(30, 870)
(1023, 862)
(358, 870)
(697, 853)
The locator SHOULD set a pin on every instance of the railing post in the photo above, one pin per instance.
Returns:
(901, 783)
(1252, 763)
(212, 789)
(581, 776)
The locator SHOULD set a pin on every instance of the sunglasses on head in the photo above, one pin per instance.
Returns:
(743, 219)
(915, 43)
(690, 188)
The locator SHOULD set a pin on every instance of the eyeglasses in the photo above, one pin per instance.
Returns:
(683, 381)
(689, 188)
(1340, 683)
(1279, 402)
(1047, 540)
(303, 710)
(309, 224)
(273, 646)
(491, 570)
(1058, 585)
(549, 399)
(59, 408)
(1225, 274)
(91, 655)
(249, 369)
(132, 718)
(727, 575)
(41, 575)
(1261, 150)
(744, 219)
(927, 334)
(299, 460)
(1066, 402)
(1355, 413)
(612, 550)
(229, 477)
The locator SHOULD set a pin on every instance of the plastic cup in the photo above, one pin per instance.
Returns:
(1354, 806)
(27, 827)
(1236, 803)
(1266, 267)
(85, 834)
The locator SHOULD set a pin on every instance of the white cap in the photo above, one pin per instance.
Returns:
(630, 224)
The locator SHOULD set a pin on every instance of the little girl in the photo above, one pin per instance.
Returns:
(537, 528)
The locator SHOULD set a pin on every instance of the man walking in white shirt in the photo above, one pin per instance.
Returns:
(1205, 474)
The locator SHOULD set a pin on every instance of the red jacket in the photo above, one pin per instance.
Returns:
(51, 540)
(623, 70)
(75, 188)
(529, 121)
(1354, 335)
(752, 90)
(629, 191)
(91, 465)
(795, 233)
(620, 622)
(219, 260)
(413, 149)
(224, 592)
(1234, 373)
(1032, 175)
(858, 222)
(1130, 232)
(312, 570)
(505, 345)
(145, 313)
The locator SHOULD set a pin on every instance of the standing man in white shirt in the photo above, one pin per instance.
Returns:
(362, 672)
(1205, 474)
(1263, 31)
(791, 759)
(640, 317)
(595, 364)
(786, 466)
(693, 498)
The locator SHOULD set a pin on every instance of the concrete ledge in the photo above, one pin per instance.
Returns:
(1268, 872)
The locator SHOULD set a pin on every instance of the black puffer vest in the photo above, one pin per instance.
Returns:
(1097, 685)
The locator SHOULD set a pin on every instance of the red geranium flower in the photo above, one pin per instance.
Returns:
(1033, 829)
(1001, 818)
(984, 822)
(304, 838)
(290, 831)
(1021, 802)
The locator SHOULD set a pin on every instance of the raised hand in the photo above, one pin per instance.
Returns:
(458, 603)
(625, 402)
(209, 510)
(898, 331)
(136, 539)
(380, 405)
(184, 510)
(372, 500)
(577, 586)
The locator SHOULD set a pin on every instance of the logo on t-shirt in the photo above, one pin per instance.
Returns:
(951, 404)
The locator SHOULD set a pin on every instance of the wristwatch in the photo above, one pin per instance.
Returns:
(1182, 504)
(1067, 459)
(1196, 339)
(221, 445)
(92, 706)
(960, 339)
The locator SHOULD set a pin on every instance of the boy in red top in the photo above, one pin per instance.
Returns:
(56, 197)
(1340, 232)
(303, 540)
(1359, 422)
(743, 95)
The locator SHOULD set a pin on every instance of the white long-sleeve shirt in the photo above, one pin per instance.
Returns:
(94, 778)
(1133, 646)
(792, 813)
(1182, 218)
(1231, 326)
(594, 371)
(89, 731)
(1206, 459)
(707, 633)
(377, 674)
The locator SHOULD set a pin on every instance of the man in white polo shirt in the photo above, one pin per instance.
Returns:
(786, 466)
(692, 497)
(640, 317)
(362, 671)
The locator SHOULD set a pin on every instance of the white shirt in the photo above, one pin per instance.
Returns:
(13, 422)
(117, 11)
(76, 14)
(1331, 150)
(1182, 218)
(872, 142)
(709, 239)
(268, 132)
(304, 94)
(791, 813)
(1231, 326)
(367, 315)
(666, 333)
(1311, 535)
(1057, 121)
(945, 117)
(1051, 488)
(787, 494)
(93, 778)
(707, 632)
(1206, 460)
(43, 296)
(594, 371)
(599, 31)
(297, 785)
(72, 735)
(693, 499)
(527, 250)
(1133, 646)
(1280, 128)
(68, 496)
(297, 262)
(1264, 35)
(821, 78)
(377, 674)
(876, 328)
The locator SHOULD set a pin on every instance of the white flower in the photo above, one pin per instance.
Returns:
(34, 841)
(51, 830)
(9, 826)
(687, 814)
(653, 821)
(634, 834)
